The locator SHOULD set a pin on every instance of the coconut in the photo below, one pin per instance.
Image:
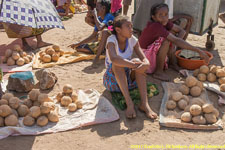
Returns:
(207, 108)
(184, 89)
(72, 107)
(210, 118)
(176, 96)
(204, 69)
(14, 102)
(68, 89)
(213, 69)
(186, 117)
(28, 121)
(23, 110)
(11, 61)
(195, 110)
(195, 91)
(55, 57)
(33, 94)
(35, 111)
(182, 104)
(46, 58)
(56, 48)
(79, 104)
(66, 100)
(7, 96)
(3, 102)
(15, 55)
(196, 72)
(190, 81)
(11, 120)
(211, 77)
(8, 53)
(42, 121)
(20, 62)
(222, 87)
(202, 77)
(220, 73)
(5, 110)
(199, 120)
(221, 80)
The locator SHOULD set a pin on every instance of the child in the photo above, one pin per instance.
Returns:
(120, 67)
(102, 16)
(89, 19)
(157, 42)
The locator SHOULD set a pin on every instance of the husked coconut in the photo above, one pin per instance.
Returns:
(195, 110)
(68, 89)
(200, 84)
(79, 104)
(15, 113)
(59, 97)
(197, 101)
(66, 100)
(20, 62)
(182, 104)
(8, 53)
(207, 108)
(55, 57)
(35, 111)
(26, 60)
(184, 89)
(170, 105)
(11, 120)
(53, 116)
(14, 102)
(46, 58)
(5, 110)
(74, 97)
(23, 110)
(199, 120)
(28, 121)
(43, 98)
(211, 77)
(50, 51)
(176, 96)
(222, 87)
(195, 91)
(3, 102)
(196, 72)
(17, 48)
(46, 107)
(204, 69)
(7, 96)
(213, 69)
(190, 81)
(221, 80)
(186, 117)
(56, 48)
(11, 61)
(186, 98)
(210, 118)
(202, 77)
(220, 73)
(33, 94)
(30, 57)
(15, 55)
(23, 54)
(72, 107)
(28, 103)
(42, 121)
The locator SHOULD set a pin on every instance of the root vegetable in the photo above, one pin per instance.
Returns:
(66, 100)
(182, 104)
(14, 102)
(72, 107)
(195, 91)
(33, 94)
(7, 96)
(211, 77)
(46, 107)
(23, 110)
(11, 120)
(53, 115)
(186, 117)
(184, 89)
(195, 73)
(20, 62)
(3, 102)
(28, 121)
(222, 87)
(5, 110)
(68, 89)
(221, 80)
(176, 96)
(15, 55)
(202, 77)
(79, 104)
(195, 110)
(28, 103)
(207, 108)
(17, 48)
(2, 124)
(210, 118)
(199, 120)
(55, 57)
(11, 61)
(8, 53)
(42, 121)
(190, 81)
(204, 69)
(74, 97)
(46, 58)
(220, 73)
(35, 111)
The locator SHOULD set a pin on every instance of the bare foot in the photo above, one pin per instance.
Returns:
(148, 111)
(130, 112)
(43, 44)
(161, 76)
(175, 67)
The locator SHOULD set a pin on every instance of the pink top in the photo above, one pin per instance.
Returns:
(116, 5)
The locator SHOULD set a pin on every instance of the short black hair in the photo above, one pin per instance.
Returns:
(118, 22)
(156, 7)
(107, 4)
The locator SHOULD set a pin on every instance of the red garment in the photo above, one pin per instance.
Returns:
(152, 32)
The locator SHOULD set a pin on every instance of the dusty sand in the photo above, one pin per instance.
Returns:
(123, 133)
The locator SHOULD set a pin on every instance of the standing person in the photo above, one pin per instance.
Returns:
(157, 42)
(126, 4)
(102, 17)
(121, 68)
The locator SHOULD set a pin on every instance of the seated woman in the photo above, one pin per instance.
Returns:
(159, 44)
(122, 71)
(89, 19)
(102, 16)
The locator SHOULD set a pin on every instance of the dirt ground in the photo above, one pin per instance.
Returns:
(123, 133)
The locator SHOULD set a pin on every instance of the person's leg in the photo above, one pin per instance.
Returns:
(121, 79)
(172, 58)
(90, 21)
(26, 46)
(160, 61)
(84, 50)
(101, 47)
(40, 42)
(142, 86)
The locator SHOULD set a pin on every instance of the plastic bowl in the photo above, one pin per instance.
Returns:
(191, 64)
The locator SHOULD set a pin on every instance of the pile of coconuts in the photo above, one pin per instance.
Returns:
(16, 56)
(51, 54)
(211, 73)
(194, 109)
(69, 99)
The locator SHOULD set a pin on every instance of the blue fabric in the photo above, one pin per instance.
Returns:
(23, 75)
(108, 17)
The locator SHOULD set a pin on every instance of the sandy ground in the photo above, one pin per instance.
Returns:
(123, 133)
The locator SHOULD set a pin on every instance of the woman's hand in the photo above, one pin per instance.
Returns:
(204, 56)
